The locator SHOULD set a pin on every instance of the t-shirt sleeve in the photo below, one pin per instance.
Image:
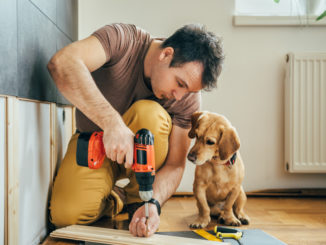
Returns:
(116, 39)
(185, 108)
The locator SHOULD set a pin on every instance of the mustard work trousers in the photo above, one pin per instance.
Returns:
(81, 195)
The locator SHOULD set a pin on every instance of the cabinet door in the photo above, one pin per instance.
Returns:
(34, 161)
(2, 168)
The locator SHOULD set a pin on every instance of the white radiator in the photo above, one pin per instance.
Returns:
(305, 113)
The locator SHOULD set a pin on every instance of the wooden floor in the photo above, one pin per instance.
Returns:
(296, 221)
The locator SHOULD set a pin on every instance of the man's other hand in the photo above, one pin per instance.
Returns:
(118, 142)
(138, 227)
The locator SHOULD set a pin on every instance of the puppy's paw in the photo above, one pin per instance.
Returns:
(200, 222)
(232, 221)
(244, 220)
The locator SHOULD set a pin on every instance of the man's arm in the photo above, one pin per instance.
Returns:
(70, 69)
(169, 177)
(166, 182)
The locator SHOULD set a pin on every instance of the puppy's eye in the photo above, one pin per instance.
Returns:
(210, 142)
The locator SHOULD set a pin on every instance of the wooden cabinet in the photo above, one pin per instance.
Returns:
(34, 138)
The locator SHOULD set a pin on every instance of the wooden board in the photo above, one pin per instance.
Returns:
(121, 237)
(13, 173)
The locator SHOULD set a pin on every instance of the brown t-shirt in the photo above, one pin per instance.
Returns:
(121, 79)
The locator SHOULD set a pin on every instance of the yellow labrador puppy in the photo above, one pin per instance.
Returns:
(219, 171)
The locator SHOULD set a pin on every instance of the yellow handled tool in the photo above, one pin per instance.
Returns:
(222, 232)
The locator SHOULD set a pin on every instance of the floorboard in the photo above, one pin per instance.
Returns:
(293, 220)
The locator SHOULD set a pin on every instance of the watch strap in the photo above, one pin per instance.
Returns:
(158, 205)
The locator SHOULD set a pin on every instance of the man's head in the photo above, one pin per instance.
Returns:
(194, 43)
(188, 61)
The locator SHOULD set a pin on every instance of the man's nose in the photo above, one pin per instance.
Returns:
(178, 94)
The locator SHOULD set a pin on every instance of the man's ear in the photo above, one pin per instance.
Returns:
(194, 124)
(229, 142)
(166, 54)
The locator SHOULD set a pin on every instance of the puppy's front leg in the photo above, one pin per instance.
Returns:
(227, 215)
(203, 218)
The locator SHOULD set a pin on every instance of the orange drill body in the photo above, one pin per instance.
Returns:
(96, 151)
(91, 153)
(144, 156)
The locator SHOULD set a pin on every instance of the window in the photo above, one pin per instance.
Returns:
(285, 12)
(283, 8)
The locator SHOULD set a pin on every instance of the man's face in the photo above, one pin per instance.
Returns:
(174, 82)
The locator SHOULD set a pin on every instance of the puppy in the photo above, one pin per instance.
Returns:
(219, 171)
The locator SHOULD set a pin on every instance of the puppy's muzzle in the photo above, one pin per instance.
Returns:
(192, 157)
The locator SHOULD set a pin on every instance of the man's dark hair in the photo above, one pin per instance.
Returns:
(193, 43)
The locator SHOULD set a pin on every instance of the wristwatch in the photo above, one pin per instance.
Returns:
(154, 201)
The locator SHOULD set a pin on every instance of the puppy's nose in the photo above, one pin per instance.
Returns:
(192, 157)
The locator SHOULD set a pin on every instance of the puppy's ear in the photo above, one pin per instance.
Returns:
(229, 142)
(194, 123)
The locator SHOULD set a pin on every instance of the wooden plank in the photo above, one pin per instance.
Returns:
(73, 117)
(53, 141)
(13, 172)
(121, 237)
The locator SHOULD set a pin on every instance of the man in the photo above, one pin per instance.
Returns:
(121, 80)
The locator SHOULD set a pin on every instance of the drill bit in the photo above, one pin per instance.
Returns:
(147, 215)
(146, 210)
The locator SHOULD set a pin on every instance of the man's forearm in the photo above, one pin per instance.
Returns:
(167, 181)
(75, 82)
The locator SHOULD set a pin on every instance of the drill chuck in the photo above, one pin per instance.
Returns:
(146, 195)
(145, 181)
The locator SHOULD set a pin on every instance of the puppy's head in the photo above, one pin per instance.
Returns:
(216, 139)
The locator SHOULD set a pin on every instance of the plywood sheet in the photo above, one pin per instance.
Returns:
(120, 237)
(33, 150)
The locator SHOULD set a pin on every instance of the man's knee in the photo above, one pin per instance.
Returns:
(149, 114)
(68, 212)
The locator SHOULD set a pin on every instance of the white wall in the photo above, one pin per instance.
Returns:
(250, 91)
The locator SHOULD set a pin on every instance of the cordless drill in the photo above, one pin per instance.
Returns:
(91, 153)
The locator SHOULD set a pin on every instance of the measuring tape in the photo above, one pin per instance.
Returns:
(207, 235)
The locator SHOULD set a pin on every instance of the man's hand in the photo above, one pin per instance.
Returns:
(138, 227)
(118, 142)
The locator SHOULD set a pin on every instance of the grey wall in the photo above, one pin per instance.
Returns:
(31, 32)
